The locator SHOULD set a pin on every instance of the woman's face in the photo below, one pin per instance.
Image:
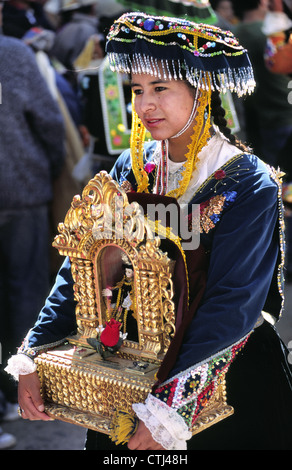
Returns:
(164, 106)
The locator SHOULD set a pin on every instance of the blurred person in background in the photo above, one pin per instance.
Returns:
(31, 156)
(72, 37)
(278, 29)
(224, 12)
(65, 186)
(21, 15)
(278, 60)
(268, 113)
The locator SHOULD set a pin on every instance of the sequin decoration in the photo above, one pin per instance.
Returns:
(277, 175)
(190, 392)
(32, 352)
(211, 211)
(142, 43)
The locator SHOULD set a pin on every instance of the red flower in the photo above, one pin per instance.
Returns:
(111, 334)
(220, 175)
(149, 167)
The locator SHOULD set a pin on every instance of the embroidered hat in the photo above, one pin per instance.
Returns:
(203, 54)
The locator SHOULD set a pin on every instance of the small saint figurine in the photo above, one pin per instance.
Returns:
(121, 301)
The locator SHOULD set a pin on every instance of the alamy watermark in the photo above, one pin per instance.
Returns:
(290, 93)
(131, 222)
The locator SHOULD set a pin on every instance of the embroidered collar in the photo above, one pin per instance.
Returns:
(212, 157)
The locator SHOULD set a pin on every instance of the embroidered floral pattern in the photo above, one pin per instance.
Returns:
(230, 172)
(220, 175)
(211, 211)
(189, 393)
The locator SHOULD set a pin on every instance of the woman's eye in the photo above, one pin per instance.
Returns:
(137, 91)
(160, 88)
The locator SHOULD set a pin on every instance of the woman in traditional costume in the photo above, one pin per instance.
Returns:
(178, 70)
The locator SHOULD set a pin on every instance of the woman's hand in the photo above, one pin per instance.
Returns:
(29, 398)
(142, 439)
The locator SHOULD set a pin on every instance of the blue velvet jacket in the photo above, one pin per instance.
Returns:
(241, 229)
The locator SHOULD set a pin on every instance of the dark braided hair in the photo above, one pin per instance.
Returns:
(218, 114)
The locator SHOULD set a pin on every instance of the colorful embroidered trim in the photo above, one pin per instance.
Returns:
(276, 176)
(189, 393)
(137, 41)
(200, 136)
(228, 171)
(138, 134)
(34, 351)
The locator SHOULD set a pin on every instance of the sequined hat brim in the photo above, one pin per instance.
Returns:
(207, 55)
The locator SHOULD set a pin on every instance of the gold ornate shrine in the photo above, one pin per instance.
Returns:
(81, 383)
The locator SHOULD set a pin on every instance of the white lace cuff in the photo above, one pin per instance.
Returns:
(20, 364)
(165, 424)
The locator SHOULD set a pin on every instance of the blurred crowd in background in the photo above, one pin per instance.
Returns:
(64, 116)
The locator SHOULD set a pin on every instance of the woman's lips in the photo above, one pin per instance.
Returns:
(153, 122)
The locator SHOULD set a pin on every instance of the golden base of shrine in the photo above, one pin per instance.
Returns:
(81, 388)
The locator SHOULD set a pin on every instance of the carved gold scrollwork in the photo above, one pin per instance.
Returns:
(103, 217)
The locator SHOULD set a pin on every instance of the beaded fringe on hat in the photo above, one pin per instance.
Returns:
(205, 55)
(240, 81)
